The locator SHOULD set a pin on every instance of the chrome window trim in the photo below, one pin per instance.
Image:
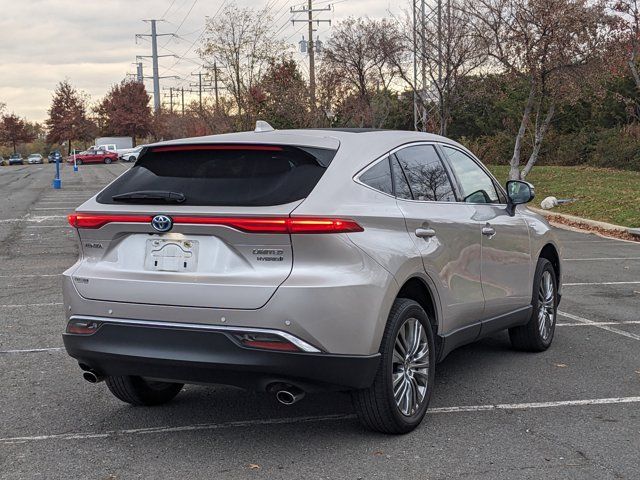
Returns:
(356, 177)
(301, 344)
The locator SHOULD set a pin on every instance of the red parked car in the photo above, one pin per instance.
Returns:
(94, 156)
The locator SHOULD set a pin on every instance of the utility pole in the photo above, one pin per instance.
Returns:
(428, 39)
(215, 84)
(309, 10)
(182, 90)
(172, 93)
(154, 58)
(204, 85)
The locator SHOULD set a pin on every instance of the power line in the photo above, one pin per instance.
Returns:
(167, 10)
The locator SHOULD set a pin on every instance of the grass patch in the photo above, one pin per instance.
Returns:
(601, 194)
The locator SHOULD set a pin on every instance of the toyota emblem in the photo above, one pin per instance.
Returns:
(162, 223)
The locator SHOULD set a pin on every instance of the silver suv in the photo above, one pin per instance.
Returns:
(305, 260)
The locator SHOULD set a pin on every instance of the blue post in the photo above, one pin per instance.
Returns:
(57, 183)
(75, 165)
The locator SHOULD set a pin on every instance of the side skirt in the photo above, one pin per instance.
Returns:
(483, 329)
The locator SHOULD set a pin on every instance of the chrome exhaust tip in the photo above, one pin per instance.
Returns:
(92, 377)
(289, 397)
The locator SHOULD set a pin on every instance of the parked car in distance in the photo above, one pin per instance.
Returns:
(35, 158)
(130, 154)
(16, 159)
(112, 147)
(306, 260)
(1, 160)
(94, 156)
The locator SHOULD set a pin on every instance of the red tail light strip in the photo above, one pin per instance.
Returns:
(186, 148)
(298, 225)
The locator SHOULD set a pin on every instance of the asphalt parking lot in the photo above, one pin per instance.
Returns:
(571, 412)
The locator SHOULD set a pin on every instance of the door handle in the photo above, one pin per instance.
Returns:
(488, 231)
(425, 232)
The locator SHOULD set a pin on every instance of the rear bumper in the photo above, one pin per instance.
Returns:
(198, 355)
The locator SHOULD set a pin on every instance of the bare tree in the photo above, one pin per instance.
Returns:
(357, 64)
(553, 45)
(628, 12)
(241, 43)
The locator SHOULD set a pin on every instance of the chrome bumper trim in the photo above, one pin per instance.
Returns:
(301, 344)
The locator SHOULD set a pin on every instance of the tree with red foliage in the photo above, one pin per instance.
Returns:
(125, 110)
(68, 116)
(14, 130)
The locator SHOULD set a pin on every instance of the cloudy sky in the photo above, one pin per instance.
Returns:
(92, 42)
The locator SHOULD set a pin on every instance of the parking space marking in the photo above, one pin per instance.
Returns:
(310, 419)
(50, 304)
(50, 208)
(597, 325)
(598, 259)
(34, 218)
(579, 284)
(31, 350)
(49, 226)
(29, 275)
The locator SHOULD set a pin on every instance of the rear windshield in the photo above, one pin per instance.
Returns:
(223, 175)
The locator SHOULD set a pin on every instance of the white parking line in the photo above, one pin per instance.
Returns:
(35, 218)
(597, 325)
(598, 283)
(63, 225)
(10, 305)
(32, 275)
(31, 350)
(310, 419)
(597, 259)
(50, 208)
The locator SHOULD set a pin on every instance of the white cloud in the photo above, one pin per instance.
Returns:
(91, 42)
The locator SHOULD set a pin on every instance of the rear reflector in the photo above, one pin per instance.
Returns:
(298, 225)
(265, 341)
(83, 327)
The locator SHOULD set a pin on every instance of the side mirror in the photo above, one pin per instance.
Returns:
(518, 192)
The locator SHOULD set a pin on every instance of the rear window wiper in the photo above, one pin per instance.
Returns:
(143, 195)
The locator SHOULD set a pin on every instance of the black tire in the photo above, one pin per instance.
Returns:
(376, 406)
(530, 337)
(107, 160)
(141, 392)
(132, 158)
(78, 162)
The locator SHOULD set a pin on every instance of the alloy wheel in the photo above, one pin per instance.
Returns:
(546, 305)
(410, 366)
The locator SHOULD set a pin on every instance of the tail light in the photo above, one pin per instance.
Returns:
(298, 225)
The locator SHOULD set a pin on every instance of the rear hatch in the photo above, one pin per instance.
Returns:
(226, 209)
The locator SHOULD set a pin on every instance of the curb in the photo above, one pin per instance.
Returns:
(588, 222)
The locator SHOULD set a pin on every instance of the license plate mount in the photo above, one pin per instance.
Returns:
(167, 255)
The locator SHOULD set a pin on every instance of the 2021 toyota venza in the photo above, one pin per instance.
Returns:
(302, 260)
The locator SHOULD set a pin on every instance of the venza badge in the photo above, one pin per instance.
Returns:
(162, 223)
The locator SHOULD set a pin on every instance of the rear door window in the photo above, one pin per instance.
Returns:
(425, 173)
(222, 175)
